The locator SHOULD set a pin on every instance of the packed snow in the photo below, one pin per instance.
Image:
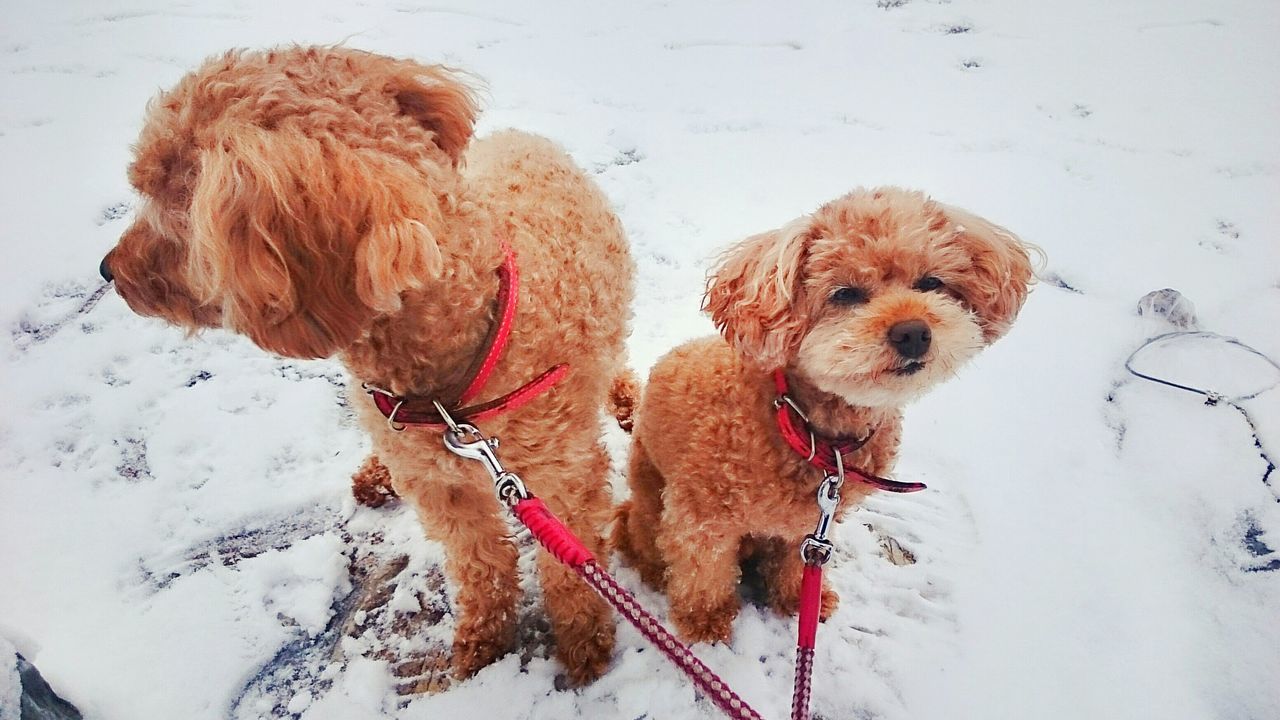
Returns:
(177, 533)
(10, 682)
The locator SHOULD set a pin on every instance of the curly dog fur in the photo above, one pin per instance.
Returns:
(315, 200)
(826, 299)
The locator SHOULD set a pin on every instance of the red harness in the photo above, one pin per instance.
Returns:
(420, 410)
(819, 450)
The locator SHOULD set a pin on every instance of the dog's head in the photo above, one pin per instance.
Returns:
(292, 195)
(875, 297)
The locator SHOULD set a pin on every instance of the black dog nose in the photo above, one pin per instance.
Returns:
(910, 338)
(105, 271)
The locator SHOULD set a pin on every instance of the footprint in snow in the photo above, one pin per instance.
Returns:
(114, 211)
(397, 609)
(61, 305)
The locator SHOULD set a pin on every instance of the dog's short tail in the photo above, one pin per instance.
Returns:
(624, 392)
(619, 537)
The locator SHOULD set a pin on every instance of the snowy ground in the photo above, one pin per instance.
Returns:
(177, 538)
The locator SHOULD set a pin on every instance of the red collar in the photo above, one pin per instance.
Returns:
(819, 450)
(420, 410)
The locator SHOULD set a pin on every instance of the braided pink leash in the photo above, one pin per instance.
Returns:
(468, 442)
(810, 608)
(560, 542)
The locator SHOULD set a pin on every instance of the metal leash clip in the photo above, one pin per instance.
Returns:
(781, 400)
(391, 419)
(466, 440)
(816, 548)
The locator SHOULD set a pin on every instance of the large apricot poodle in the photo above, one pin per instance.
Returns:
(856, 310)
(326, 202)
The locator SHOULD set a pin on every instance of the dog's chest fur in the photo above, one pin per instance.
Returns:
(707, 424)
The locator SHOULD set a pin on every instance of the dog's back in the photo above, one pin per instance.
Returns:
(575, 268)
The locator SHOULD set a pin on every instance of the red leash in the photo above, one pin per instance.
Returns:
(815, 550)
(827, 454)
(824, 453)
(568, 549)
(420, 410)
(467, 441)
(810, 609)
(561, 542)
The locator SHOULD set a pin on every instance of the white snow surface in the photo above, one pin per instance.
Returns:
(176, 523)
(10, 682)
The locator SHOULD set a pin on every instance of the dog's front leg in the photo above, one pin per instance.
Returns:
(702, 577)
(479, 560)
(583, 623)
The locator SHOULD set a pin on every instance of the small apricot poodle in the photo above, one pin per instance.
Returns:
(315, 200)
(864, 305)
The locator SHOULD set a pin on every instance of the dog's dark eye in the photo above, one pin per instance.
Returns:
(849, 296)
(928, 283)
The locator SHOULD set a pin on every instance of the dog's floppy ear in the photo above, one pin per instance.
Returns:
(440, 102)
(996, 284)
(301, 240)
(752, 294)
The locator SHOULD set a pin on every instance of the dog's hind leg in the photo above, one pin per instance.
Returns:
(582, 621)
(637, 520)
(481, 563)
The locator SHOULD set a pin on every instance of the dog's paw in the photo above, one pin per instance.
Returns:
(478, 645)
(830, 603)
(707, 625)
(586, 658)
